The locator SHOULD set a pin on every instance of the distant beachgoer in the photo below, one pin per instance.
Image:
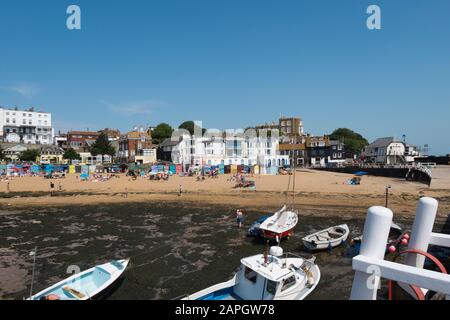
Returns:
(180, 190)
(52, 186)
(239, 217)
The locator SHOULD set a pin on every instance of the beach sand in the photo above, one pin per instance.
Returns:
(313, 190)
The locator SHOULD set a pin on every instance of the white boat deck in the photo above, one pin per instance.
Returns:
(273, 270)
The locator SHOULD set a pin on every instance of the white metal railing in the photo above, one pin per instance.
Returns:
(432, 280)
(370, 265)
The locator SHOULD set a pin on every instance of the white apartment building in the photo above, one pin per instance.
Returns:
(194, 151)
(26, 126)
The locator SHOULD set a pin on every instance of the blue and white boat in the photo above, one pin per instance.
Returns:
(267, 277)
(86, 285)
(254, 230)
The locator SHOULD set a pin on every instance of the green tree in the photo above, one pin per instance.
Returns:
(71, 154)
(29, 155)
(353, 141)
(102, 146)
(190, 126)
(161, 132)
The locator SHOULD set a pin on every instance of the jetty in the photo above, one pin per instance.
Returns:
(370, 265)
(440, 177)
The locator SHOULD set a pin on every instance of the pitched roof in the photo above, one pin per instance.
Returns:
(383, 142)
(169, 143)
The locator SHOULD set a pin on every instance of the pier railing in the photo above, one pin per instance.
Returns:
(370, 265)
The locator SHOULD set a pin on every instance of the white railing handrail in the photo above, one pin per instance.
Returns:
(432, 280)
(440, 239)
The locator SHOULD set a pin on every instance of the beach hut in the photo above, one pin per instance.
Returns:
(178, 168)
(35, 168)
(173, 169)
(233, 169)
(256, 169)
(71, 169)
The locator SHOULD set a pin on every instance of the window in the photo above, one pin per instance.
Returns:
(271, 287)
(24, 114)
(7, 120)
(339, 155)
(250, 274)
(24, 121)
(289, 282)
(334, 155)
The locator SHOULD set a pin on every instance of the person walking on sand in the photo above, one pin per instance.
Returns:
(180, 190)
(239, 217)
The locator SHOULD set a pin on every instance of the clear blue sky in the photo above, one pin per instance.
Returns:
(232, 64)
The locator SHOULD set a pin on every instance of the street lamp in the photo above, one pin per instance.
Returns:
(387, 194)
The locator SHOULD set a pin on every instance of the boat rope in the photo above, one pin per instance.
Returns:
(417, 291)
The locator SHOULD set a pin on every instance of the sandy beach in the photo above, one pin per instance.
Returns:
(313, 190)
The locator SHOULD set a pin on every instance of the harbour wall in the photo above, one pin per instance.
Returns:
(401, 173)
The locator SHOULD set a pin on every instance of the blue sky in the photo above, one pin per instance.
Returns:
(233, 64)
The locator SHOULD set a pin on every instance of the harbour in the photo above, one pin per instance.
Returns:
(174, 249)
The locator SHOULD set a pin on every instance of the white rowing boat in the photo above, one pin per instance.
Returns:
(86, 285)
(328, 238)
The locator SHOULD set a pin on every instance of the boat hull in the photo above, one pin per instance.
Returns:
(85, 284)
(273, 235)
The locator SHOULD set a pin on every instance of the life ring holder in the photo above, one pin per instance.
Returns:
(418, 292)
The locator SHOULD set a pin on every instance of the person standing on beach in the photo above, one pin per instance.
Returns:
(180, 190)
(239, 217)
(52, 187)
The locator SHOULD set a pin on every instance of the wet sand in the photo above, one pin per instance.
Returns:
(181, 244)
(174, 249)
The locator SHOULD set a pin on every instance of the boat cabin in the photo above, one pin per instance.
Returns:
(259, 279)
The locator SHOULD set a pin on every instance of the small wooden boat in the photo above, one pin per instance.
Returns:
(328, 238)
(267, 277)
(279, 225)
(86, 285)
(254, 229)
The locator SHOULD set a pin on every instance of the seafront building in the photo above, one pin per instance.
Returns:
(136, 146)
(26, 126)
(222, 150)
(390, 151)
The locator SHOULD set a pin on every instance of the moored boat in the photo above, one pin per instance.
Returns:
(86, 285)
(327, 239)
(254, 229)
(267, 277)
(396, 234)
(279, 225)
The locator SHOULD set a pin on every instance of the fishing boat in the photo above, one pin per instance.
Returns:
(327, 239)
(254, 229)
(267, 277)
(279, 225)
(396, 234)
(89, 284)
